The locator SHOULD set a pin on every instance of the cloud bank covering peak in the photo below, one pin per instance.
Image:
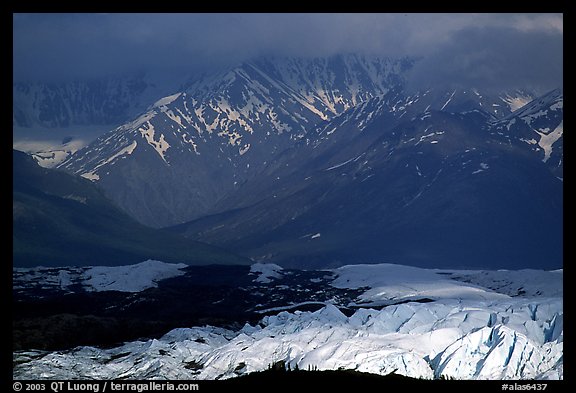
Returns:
(489, 49)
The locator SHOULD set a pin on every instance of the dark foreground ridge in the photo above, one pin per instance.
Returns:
(276, 376)
(351, 380)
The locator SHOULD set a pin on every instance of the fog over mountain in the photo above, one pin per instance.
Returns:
(93, 45)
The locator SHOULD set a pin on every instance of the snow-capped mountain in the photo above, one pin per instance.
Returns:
(204, 142)
(223, 129)
(540, 125)
(422, 323)
(331, 159)
(422, 188)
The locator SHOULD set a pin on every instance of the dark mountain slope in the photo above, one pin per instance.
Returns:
(441, 189)
(60, 220)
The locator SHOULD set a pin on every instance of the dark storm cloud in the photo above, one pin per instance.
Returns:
(54, 46)
(494, 57)
(66, 45)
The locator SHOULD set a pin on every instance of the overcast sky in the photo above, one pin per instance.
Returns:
(469, 49)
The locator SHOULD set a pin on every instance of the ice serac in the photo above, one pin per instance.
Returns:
(498, 353)
(372, 341)
(461, 337)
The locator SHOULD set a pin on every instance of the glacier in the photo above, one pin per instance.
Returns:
(421, 323)
(132, 278)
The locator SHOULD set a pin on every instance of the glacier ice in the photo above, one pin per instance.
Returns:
(460, 339)
(266, 272)
(473, 325)
(131, 278)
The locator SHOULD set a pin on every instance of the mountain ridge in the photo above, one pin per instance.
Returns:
(446, 169)
(354, 159)
(201, 134)
(222, 129)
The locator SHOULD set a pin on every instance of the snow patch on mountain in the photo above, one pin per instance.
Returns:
(51, 158)
(51, 146)
(547, 139)
(448, 101)
(166, 100)
(124, 151)
(517, 102)
(90, 176)
(160, 145)
(49, 154)
(266, 272)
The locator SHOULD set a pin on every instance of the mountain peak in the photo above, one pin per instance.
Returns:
(228, 126)
(293, 145)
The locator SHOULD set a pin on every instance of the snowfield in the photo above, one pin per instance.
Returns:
(266, 272)
(393, 283)
(132, 278)
(421, 323)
